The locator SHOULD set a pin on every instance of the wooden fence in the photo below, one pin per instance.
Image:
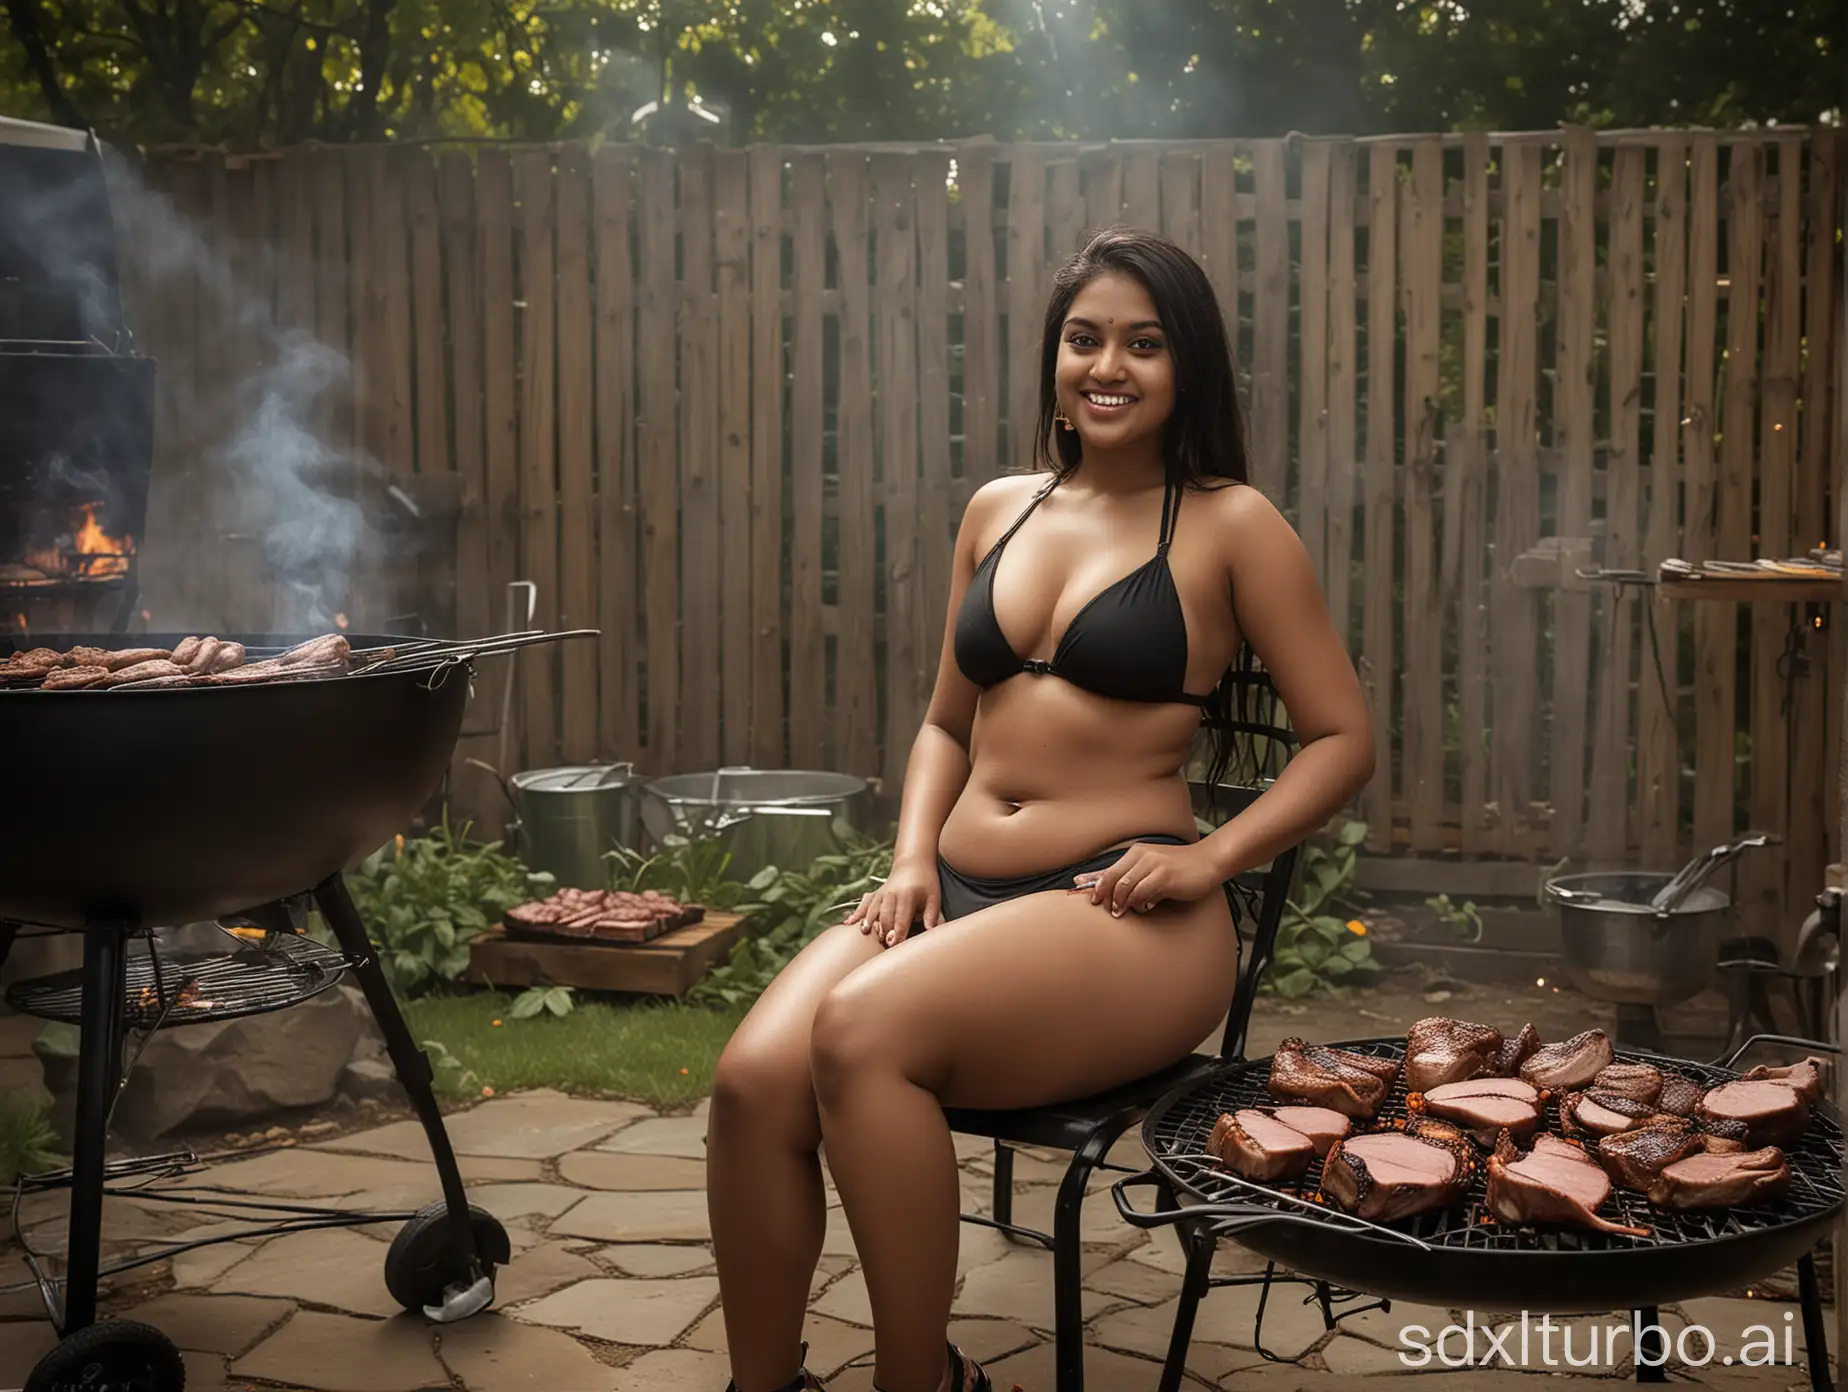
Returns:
(726, 405)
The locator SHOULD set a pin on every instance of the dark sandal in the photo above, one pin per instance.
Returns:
(805, 1380)
(966, 1374)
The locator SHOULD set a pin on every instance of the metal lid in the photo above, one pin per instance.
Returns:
(757, 787)
(574, 778)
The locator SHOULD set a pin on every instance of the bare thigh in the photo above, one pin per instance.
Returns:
(764, 1069)
(1041, 999)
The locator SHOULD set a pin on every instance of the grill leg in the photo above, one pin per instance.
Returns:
(99, 1074)
(1194, 1287)
(1067, 1273)
(409, 1062)
(1646, 1319)
(1815, 1333)
(1004, 1186)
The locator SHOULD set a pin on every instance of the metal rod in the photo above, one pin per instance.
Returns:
(104, 979)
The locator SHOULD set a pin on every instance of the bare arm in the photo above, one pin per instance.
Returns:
(1284, 616)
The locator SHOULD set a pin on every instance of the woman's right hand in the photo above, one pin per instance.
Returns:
(910, 895)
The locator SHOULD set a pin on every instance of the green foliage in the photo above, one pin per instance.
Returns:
(425, 899)
(558, 1000)
(27, 1142)
(794, 908)
(1464, 919)
(1320, 948)
(690, 869)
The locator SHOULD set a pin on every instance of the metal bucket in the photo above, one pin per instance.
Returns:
(1618, 949)
(568, 819)
(781, 817)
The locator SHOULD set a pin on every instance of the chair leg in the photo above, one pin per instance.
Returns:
(1067, 1266)
(1199, 1247)
(1004, 1186)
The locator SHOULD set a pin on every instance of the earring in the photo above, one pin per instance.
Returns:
(1059, 416)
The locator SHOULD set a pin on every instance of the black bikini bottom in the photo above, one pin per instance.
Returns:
(962, 894)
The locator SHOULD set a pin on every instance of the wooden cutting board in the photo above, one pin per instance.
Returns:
(665, 966)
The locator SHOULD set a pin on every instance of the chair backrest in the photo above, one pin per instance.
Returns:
(1258, 897)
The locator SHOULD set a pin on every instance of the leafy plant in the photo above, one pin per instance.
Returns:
(1319, 947)
(559, 1000)
(1464, 919)
(794, 907)
(692, 870)
(425, 899)
(27, 1142)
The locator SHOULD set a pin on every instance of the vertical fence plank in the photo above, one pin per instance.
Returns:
(1713, 623)
(1142, 189)
(1608, 816)
(1270, 377)
(431, 399)
(768, 739)
(618, 594)
(1312, 361)
(1377, 542)
(657, 452)
(896, 311)
(731, 227)
(500, 411)
(1180, 215)
(1422, 259)
(1465, 479)
(577, 461)
(855, 693)
(1658, 778)
(1219, 230)
(701, 637)
(538, 448)
(934, 522)
(1573, 429)
(390, 366)
(1103, 189)
(1064, 209)
(808, 693)
(981, 365)
(1763, 889)
(1812, 778)
(1517, 509)
(1343, 460)
(1026, 206)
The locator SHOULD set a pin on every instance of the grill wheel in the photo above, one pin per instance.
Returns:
(111, 1356)
(420, 1264)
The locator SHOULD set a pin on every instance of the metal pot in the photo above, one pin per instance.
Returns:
(567, 819)
(781, 817)
(1618, 949)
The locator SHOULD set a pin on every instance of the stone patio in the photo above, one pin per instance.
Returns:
(611, 1288)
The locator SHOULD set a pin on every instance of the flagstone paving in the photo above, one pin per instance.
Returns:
(612, 1288)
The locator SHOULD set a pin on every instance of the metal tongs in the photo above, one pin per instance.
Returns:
(1697, 871)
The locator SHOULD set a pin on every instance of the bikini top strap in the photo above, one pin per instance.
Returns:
(1038, 497)
(1170, 515)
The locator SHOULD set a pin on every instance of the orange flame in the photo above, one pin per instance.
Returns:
(92, 554)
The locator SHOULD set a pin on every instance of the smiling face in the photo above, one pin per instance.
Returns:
(1114, 374)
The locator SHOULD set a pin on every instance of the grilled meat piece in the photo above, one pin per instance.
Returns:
(1571, 1064)
(1641, 1082)
(1349, 1083)
(201, 659)
(37, 660)
(316, 652)
(1440, 1050)
(1485, 1107)
(1721, 1180)
(1515, 1052)
(1555, 1182)
(1383, 1175)
(73, 678)
(1260, 1147)
(1774, 1113)
(141, 671)
(1635, 1158)
(1322, 1125)
(1598, 1113)
(121, 659)
(229, 655)
(187, 649)
(1804, 1076)
(1680, 1095)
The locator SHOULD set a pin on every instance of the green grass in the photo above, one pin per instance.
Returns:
(660, 1054)
(27, 1142)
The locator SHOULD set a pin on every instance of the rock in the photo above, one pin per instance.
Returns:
(371, 1078)
(226, 1072)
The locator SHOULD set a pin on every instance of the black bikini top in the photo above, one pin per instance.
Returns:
(1129, 642)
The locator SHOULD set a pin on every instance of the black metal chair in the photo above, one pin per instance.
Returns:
(1089, 1127)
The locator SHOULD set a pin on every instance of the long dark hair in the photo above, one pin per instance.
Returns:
(1203, 439)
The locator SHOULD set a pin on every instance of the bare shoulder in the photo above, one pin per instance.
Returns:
(999, 498)
(1245, 519)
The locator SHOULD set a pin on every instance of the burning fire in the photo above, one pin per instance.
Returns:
(90, 554)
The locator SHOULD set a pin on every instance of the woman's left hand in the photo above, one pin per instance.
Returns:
(1147, 874)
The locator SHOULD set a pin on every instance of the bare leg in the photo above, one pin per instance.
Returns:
(1043, 998)
(763, 1180)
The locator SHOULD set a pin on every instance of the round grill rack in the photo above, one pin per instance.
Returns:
(1463, 1256)
(164, 991)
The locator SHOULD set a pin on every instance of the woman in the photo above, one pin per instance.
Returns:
(1052, 924)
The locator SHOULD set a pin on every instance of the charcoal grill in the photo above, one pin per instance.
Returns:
(241, 804)
(1462, 1257)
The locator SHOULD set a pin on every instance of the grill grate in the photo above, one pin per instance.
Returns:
(255, 979)
(1177, 1137)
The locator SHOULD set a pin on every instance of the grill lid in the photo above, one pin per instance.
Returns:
(59, 278)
